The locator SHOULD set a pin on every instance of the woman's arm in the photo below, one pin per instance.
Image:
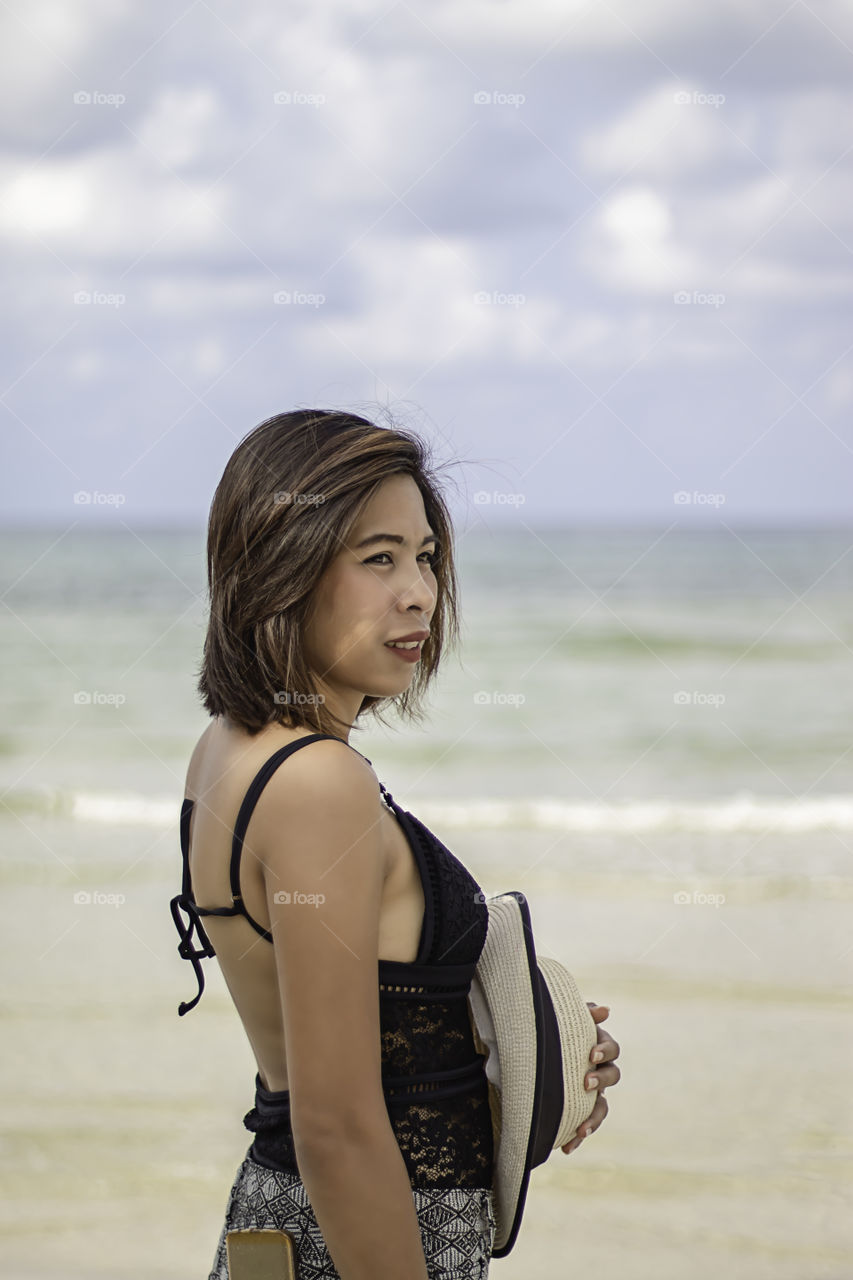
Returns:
(318, 838)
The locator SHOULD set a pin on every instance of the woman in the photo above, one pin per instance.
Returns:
(332, 595)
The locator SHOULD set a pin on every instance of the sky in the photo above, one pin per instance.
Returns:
(597, 254)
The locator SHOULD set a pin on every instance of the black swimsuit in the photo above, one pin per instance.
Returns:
(433, 1078)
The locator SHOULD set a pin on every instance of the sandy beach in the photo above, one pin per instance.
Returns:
(729, 1146)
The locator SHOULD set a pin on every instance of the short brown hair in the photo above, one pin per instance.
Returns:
(289, 498)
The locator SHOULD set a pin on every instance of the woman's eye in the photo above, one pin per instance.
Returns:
(429, 556)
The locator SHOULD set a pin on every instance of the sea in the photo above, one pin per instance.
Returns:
(648, 732)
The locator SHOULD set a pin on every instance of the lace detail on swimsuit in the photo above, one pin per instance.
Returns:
(419, 1036)
(448, 1143)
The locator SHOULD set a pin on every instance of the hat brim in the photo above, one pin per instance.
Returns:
(506, 1003)
(538, 1031)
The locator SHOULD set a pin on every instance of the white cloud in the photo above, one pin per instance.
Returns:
(537, 25)
(107, 203)
(184, 125)
(55, 198)
(660, 137)
(751, 39)
(730, 177)
(630, 245)
(200, 197)
(416, 297)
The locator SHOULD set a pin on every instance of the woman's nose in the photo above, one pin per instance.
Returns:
(419, 594)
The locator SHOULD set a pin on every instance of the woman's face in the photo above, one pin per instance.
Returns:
(372, 594)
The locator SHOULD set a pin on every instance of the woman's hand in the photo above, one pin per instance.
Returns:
(600, 1077)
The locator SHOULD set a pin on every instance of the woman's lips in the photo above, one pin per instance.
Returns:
(408, 655)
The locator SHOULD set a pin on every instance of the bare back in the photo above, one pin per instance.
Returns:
(221, 769)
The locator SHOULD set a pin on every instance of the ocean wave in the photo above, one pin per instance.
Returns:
(742, 812)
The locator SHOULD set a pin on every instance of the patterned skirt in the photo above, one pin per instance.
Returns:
(457, 1225)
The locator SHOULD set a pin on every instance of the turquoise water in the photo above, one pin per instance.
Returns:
(704, 677)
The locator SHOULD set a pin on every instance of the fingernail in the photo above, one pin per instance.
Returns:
(587, 1131)
(592, 1082)
(597, 1055)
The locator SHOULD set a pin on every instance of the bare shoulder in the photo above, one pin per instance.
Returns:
(319, 805)
(191, 787)
(326, 772)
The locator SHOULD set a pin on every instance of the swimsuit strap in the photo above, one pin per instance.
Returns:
(250, 799)
(185, 900)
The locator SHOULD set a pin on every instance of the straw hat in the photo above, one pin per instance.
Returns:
(530, 1018)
